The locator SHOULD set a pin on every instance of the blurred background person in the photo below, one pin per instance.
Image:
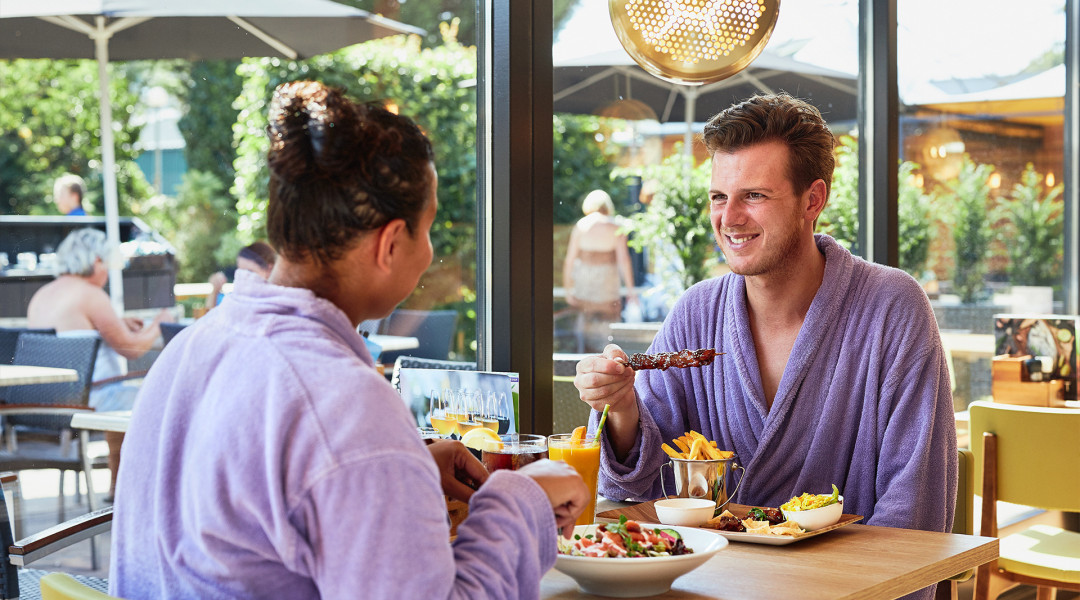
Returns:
(68, 192)
(258, 258)
(76, 304)
(597, 258)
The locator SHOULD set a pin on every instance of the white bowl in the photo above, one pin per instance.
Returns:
(816, 518)
(688, 512)
(637, 577)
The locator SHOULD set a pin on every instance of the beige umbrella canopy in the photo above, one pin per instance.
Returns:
(190, 29)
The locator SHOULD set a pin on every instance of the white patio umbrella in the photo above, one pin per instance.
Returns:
(188, 29)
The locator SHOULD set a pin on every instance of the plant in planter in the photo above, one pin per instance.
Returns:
(675, 226)
(968, 195)
(916, 211)
(1034, 234)
(840, 219)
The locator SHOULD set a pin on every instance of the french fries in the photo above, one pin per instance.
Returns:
(693, 446)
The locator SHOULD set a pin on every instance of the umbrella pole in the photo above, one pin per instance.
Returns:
(108, 161)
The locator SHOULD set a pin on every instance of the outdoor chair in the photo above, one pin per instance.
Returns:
(9, 338)
(16, 581)
(1029, 456)
(169, 331)
(433, 328)
(39, 415)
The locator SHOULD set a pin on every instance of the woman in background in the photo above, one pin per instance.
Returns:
(267, 458)
(258, 258)
(75, 304)
(596, 258)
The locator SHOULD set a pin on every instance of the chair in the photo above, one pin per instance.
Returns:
(433, 328)
(41, 413)
(9, 338)
(567, 409)
(169, 331)
(1030, 456)
(16, 582)
(61, 586)
(963, 517)
(413, 362)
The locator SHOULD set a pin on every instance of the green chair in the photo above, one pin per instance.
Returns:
(567, 409)
(963, 517)
(1029, 456)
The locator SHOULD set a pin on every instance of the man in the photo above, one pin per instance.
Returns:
(68, 192)
(834, 372)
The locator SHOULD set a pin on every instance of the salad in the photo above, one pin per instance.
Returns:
(625, 539)
(811, 501)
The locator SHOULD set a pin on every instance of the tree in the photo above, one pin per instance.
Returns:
(581, 165)
(968, 195)
(1034, 234)
(50, 126)
(840, 219)
(916, 211)
(210, 89)
(675, 225)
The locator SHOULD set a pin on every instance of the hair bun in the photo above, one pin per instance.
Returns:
(305, 117)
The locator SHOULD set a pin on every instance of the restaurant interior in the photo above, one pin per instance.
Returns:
(958, 162)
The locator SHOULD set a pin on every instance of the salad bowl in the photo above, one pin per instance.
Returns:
(640, 576)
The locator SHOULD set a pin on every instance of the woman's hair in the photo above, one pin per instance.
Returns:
(780, 118)
(598, 200)
(79, 250)
(339, 168)
(259, 253)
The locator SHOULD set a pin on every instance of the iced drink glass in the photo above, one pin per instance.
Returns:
(584, 455)
(515, 450)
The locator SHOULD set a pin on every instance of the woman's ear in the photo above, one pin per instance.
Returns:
(388, 244)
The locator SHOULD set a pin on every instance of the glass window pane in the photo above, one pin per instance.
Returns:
(634, 137)
(981, 135)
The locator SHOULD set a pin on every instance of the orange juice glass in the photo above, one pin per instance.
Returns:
(584, 456)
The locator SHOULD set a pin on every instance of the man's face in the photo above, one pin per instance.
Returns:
(757, 218)
(66, 200)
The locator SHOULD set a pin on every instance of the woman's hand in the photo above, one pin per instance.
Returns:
(564, 488)
(459, 470)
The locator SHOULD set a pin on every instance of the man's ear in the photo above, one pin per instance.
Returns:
(388, 244)
(816, 196)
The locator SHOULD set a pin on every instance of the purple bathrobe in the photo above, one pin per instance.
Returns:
(864, 402)
(267, 458)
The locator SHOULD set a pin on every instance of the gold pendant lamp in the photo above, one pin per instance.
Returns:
(693, 42)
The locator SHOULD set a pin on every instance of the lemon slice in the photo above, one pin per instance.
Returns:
(481, 438)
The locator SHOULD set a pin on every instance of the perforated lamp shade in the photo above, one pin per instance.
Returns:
(693, 42)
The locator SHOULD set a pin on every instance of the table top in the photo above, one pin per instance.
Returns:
(24, 375)
(394, 343)
(117, 420)
(856, 561)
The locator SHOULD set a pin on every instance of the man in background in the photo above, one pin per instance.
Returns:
(68, 192)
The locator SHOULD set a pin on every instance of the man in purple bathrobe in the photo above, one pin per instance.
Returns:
(833, 371)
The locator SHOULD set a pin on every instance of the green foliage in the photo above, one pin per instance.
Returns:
(208, 93)
(50, 125)
(195, 222)
(968, 196)
(675, 226)
(840, 219)
(581, 165)
(1034, 237)
(916, 211)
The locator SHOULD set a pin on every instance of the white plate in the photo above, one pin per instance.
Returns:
(637, 577)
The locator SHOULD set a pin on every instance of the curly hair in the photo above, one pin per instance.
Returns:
(339, 168)
(781, 118)
(80, 249)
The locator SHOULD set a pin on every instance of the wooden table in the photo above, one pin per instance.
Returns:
(394, 343)
(857, 562)
(26, 375)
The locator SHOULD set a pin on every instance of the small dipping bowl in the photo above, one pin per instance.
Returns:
(688, 512)
(816, 518)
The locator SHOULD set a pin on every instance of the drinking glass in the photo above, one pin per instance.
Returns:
(502, 413)
(439, 413)
(515, 451)
(468, 410)
(584, 456)
(489, 414)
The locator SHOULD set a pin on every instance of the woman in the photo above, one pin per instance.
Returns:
(75, 304)
(596, 257)
(258, 258)
(268, 457)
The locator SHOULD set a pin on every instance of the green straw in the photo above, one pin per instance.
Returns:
(603, 417)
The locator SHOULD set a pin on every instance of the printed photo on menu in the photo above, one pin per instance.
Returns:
(454, 401)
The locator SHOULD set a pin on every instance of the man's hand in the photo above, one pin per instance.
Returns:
(459, 470)
(564, 488)
(608, 380)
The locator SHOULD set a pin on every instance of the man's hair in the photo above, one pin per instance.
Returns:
(79, 250)
(70, 182)
(778, 118)
(598, 200)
